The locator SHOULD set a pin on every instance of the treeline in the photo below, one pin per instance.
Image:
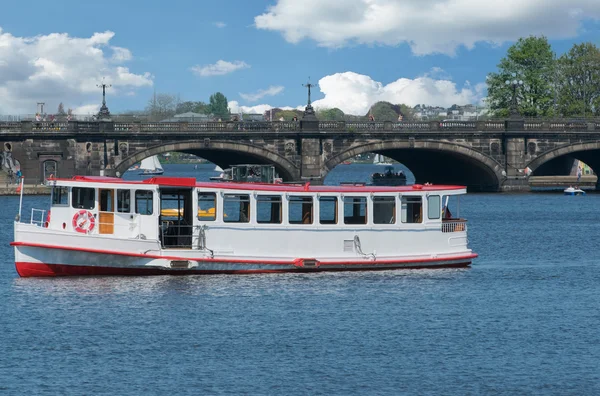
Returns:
(162, 106)
(380, 111)
(564, 86)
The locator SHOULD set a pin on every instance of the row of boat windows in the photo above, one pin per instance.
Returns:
(269, 208)
(85, 198)
(301, 209)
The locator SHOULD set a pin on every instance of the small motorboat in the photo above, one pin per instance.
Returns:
(574, 191)
(389, 178)
(224, 176)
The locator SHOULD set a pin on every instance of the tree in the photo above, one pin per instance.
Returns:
(61, 109)
(162, 106)
(218, 105)
(194, 107)
(287, 115)
(334, 114)
(578, 81)
(384, 111)
(531, 60)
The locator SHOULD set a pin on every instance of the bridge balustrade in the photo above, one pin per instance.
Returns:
(49, 126)
(125, 127)
(410, 126)
(493, 125)
(462, 125)
(86, 126)
(291, 126)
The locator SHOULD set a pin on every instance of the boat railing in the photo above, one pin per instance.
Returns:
(38, 217)
(454, 225)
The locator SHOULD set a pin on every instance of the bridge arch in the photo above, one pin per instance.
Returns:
(588, 152)
(219, 153)
(437, 162)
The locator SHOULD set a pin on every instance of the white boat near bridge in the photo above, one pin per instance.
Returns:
(165, 225)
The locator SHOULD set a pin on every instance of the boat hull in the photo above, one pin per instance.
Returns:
(37, 260)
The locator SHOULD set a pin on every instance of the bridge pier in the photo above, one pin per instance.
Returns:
(311, 161)
(516, 184)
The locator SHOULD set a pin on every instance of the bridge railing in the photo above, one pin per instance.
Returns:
(94, 127)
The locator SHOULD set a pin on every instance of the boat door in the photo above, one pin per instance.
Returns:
(176, 220)
(107, 209)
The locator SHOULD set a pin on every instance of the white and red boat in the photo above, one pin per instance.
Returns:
(166, 225)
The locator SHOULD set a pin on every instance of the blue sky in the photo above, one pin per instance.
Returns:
(397, 50)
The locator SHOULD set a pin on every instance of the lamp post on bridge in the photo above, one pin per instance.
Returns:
(514, 83)
(104, 115)
(309, 119)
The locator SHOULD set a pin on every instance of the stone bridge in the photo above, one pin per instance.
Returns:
(483, 155)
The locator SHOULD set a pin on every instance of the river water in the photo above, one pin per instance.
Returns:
(523, 320)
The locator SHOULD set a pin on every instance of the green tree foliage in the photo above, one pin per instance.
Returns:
(531, 60)
(287, 115)
(218, 105)
(385, 111)
(194, 107)
(578, 77)
(334, 114)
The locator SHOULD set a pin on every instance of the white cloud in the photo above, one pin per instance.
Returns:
(235, 107)
(261, 93)
(121, 54)
(220, 68)
(428, 26)
(90, 109)
(58, 68)
(220, 25)
(355, 93)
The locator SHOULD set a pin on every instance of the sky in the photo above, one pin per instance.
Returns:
(260, 53)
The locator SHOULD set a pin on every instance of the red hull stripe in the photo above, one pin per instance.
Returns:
(25, 269)
(245, 261)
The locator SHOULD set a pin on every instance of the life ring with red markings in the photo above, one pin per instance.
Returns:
(84, 221)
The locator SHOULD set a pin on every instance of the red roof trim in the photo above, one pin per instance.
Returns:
(172, 181)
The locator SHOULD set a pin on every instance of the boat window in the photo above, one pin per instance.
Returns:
(412, 210)
(236, 208)
(207, 206)
(60, 196)
(384, 210)
(268, 209)
(144, 202)
(106, 201)
(433, 206)
(355, 210)
(83, 198)
(300, 210)
(328, 210)
(123, 201)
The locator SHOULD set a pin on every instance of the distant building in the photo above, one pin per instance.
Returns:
(189, 117)
(454, 113)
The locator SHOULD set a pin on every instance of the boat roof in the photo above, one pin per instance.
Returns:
(165, 181)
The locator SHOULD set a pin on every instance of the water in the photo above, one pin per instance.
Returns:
(523, 320)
